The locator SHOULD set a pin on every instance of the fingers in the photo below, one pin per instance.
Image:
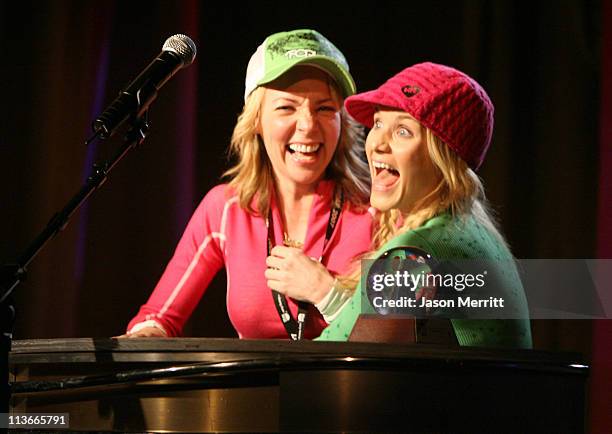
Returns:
(290, 272)
(274, 274)
(284, 251)
(277, 286)
(274, 262)
(287, 258)
(146, 332)
(276, 280)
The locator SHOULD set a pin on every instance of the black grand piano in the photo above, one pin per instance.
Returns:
(231, 385)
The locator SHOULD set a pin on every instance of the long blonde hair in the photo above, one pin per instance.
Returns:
(252, 175)
(459, 192)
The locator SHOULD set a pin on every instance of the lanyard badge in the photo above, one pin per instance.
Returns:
(295, 327)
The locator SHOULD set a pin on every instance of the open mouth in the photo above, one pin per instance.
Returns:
(301, 152)
(385, 175)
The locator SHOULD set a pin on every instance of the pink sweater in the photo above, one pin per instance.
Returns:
(221, 233)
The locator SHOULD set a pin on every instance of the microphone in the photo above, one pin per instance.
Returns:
(177, 52)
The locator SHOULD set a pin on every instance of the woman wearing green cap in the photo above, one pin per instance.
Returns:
(295, 203)
(430, 128)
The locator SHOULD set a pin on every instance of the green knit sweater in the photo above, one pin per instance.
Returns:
(447, 237)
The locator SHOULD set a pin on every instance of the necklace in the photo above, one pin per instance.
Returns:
(288, 242)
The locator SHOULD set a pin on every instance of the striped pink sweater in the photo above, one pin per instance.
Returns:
(222, 234)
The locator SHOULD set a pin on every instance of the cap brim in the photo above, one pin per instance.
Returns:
(330, 66)
(363, 105)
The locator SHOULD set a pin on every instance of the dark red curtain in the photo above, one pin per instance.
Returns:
(546, 67)
(601, 372)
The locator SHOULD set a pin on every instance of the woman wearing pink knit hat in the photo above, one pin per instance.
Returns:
(430, 128)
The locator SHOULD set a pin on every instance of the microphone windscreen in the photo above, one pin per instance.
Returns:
(183, 46)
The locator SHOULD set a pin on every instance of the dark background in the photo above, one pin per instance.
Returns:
(64, 61)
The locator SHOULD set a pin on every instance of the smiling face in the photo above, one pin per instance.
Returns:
(300, 125)
(401, 168)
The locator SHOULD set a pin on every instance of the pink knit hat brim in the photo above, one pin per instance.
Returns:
(363, 105)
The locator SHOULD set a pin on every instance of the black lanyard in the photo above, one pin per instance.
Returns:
(295, 328)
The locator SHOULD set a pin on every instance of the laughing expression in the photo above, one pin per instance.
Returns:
(300, 125)
(401, 168)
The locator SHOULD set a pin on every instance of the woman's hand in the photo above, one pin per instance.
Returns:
(295, 275)
(145, 332)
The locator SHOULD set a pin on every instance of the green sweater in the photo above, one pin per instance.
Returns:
(447, 237)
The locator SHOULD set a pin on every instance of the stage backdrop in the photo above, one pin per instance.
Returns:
(64, 61)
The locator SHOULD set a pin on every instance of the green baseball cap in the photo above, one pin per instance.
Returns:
(282, 51)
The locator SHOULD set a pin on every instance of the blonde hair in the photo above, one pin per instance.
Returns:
(459, 191)
(252, 176)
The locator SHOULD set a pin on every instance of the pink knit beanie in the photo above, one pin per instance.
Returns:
(447, 101)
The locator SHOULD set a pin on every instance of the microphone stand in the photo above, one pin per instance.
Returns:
(12, 274)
